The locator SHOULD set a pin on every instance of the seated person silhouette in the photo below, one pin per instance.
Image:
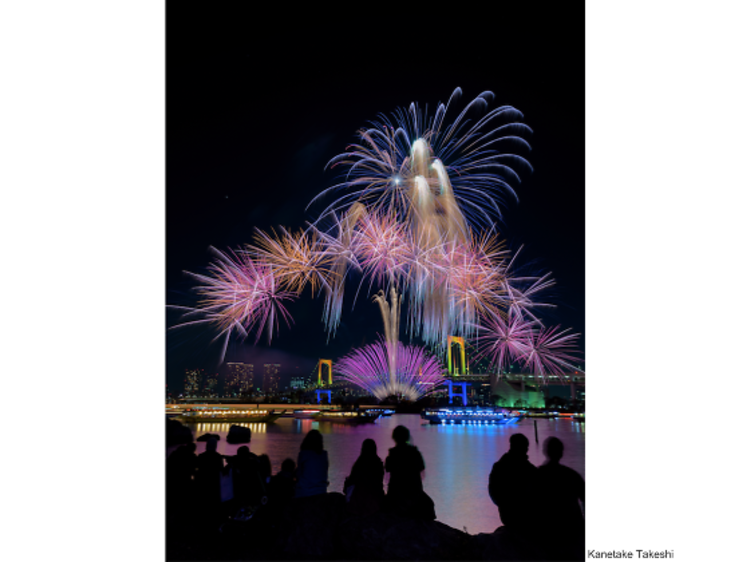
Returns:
(281, 485)
(312, 466)
(180, 470)
(405, 464)
(364, 486)
(281, 490)
(561, 488)
(512, 485)
(249, 487)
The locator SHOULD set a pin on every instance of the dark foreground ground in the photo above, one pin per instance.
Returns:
(319, 528)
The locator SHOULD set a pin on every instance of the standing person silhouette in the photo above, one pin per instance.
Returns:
(512, 485)
(561, 488)
(209, 467)
(312, 466)
(405, 464)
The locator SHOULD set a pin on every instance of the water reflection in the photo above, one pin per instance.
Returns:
(458, 459)
(205, 427)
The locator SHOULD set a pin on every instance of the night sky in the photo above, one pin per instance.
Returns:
(256, 107)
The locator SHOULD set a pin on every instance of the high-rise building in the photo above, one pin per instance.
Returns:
(239, 380)
(211, 389)
(271, 378)
(193, 379)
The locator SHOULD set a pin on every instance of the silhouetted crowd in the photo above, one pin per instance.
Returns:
(536, 505)
(540, 505)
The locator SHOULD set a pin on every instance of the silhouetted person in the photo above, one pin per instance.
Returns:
(312, 466)
(265, 468)
(180, 489)
(367, 494)
(180, 470)
(405, 464)
(560, 489)
(281, 490)
(208, 476)
(249, 486)
(513, 485)
(281, 486)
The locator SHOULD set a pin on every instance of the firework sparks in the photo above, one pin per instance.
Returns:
(416, 188)
(238, 295)
(296, 259)
(551, 352)
(402, 164)
(415, 373)
(504, 340)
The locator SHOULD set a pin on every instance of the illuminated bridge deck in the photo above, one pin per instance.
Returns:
(530, 379)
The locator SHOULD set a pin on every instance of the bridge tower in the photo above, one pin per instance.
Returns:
(329, 363)
(460, 342)
(318, 392)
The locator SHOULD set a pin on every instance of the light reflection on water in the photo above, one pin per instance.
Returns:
(458, 458)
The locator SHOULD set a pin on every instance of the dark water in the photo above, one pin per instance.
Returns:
(458, 459)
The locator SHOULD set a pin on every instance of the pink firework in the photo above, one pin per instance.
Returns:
(504, 340)
(239, 294)
(416, 373)
(382, 246)
(474, 272)
(551, 352)
(522, 292)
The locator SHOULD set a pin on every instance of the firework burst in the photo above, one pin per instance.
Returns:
(551, 352)
(296, 259)
(417, 186)
(238, 295)
(414, 158)
(503, 340)
(415, 374)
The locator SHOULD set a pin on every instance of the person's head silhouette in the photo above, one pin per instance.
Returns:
(313, 441)
(211, 445)
(288, 465)
(553, 449)
(519, 443)
(400, 435)
(369, 447)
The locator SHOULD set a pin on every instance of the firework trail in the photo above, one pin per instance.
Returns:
(391, 316)
(522, 292)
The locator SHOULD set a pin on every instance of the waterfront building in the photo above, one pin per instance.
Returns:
(514, 394)
(238, 380)
(193, 379)
(298, 382)
(271, 378)
(211, 388)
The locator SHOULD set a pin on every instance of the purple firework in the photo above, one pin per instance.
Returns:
(504, 340)
(416, 372)
(551, 352)
(239, 294)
